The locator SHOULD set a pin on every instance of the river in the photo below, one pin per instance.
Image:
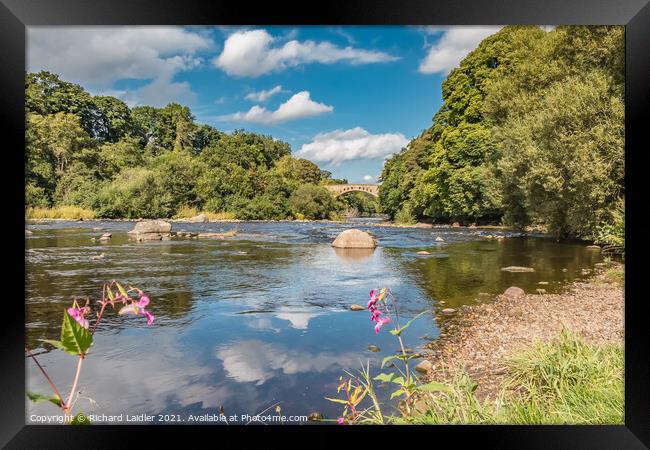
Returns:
(262, 317)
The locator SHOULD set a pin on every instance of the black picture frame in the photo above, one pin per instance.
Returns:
(15, 15)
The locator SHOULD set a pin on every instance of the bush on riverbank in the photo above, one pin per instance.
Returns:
(60, 212)
(565, 381)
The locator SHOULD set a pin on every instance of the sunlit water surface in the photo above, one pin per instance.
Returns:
(261, 318)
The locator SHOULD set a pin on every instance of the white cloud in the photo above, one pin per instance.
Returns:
(339, 145)
(257, 361)
(98, 56)
(263, 95)
(452, 46)
(255, 52)
(298, 106)
(368, 178)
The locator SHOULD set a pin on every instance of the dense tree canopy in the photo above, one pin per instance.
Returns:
(145, 162)
(530, 133)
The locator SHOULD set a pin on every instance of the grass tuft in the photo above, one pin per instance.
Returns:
(565, 381)
(60, 212)
(187, 212)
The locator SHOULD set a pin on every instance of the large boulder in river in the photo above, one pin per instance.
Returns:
(354, 239)
(151, 230)
(152, 226)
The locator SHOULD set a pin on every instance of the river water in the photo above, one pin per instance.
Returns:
(246, 322)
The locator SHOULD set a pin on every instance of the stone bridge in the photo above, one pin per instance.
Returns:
(340, 189)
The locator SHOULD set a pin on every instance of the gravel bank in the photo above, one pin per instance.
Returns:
(482, 337)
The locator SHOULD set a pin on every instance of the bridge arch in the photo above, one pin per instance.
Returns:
(340, 189)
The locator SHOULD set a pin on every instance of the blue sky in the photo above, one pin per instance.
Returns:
(346, 98)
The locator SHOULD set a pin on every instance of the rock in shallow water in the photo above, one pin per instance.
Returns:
(152, 226)
(514, 292)
(374, 348)
(517, 269)
(354, 239)
(356, 308)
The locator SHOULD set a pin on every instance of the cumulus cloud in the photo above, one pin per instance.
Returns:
(452, 46)
(344, 145)
(254, 361)
(263, 95)
(298, 106)
(253, 53)
(368, 178)
(99, 56)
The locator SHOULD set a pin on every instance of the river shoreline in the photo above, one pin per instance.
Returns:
(378, 224)
(480, 338)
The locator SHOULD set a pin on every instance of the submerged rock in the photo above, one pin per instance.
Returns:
(105, 236)
(423, 252)
(374, 348)
(514, 292)
(230, 233)
(517, 269)
(315, 416)
(439, 239)
(354, 239)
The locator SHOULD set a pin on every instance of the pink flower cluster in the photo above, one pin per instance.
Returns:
(138, 307)
(376, 297)
(78, 313)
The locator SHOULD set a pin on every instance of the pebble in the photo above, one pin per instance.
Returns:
(422, 252)
(448, 311)
(424, 366)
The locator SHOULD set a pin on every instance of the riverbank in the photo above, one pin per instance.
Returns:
(482, 338)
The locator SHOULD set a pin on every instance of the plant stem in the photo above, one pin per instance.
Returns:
(49, 380)
(76, 379)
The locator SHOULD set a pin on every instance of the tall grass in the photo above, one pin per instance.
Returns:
(187, 212)
(565, 381)
(60, 212)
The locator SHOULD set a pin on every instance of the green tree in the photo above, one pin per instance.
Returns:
(313, 202)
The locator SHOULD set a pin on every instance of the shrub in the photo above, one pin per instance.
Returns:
(314, 202)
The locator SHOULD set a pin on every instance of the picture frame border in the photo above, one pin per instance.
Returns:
(16, 15)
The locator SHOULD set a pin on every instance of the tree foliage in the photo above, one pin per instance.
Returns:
(531, 132)
(146, 162)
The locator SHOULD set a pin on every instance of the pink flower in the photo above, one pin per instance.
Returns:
(381, 321)
(341, 421)
(374, 314)
(78, 315)
(138, 308)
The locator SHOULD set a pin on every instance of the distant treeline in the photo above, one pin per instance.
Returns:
(96, 153)
(531, 132)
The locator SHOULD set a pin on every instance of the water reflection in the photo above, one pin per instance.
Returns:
(262, 317)
(354, 255)
(257, 361)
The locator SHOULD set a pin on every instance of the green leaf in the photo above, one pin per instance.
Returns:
(390, 358)
(122, 290)
(397, 393)
(434, 386)
(390, 378)
(336, 400)
(57, 344)
(80, 419)
(406, 325)
(37, 398)
(75, 339)
(111, 296)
